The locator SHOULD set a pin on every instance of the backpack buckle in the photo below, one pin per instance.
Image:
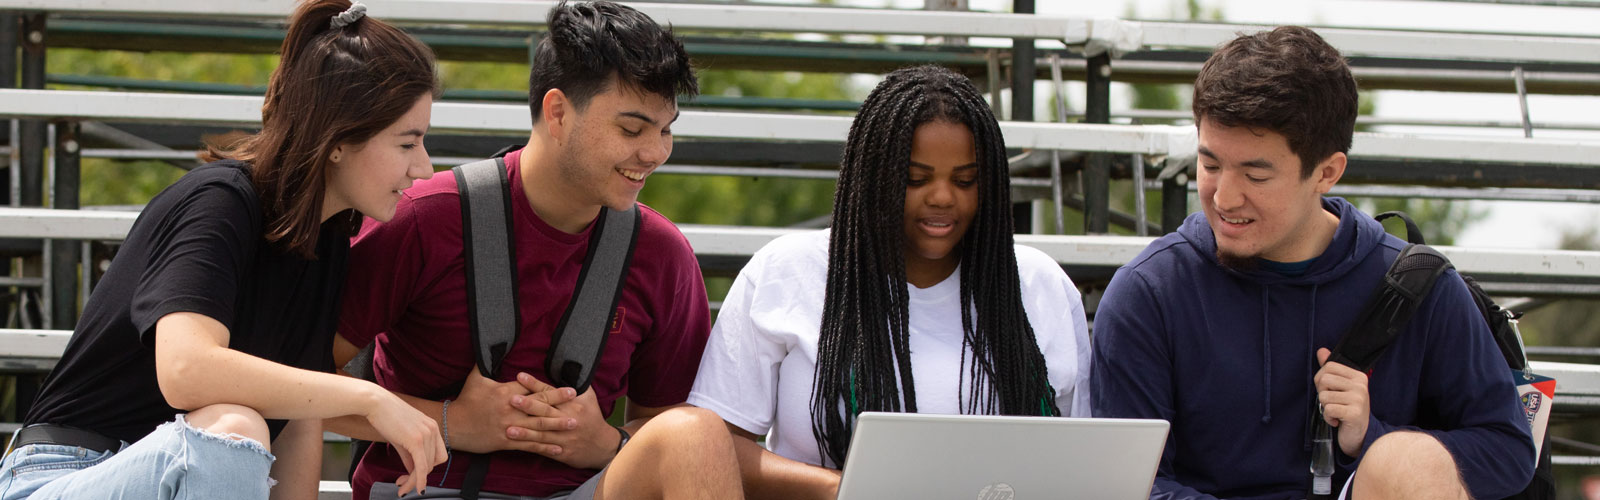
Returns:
(1522, 348)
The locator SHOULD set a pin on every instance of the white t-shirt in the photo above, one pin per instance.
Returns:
(759, 364)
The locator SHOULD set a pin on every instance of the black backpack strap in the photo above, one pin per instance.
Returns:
(477, 470)
(1502, 325)
(1502, 322)
(581, 335)
(1413, 233)
(1389, 310)
(1387, 313)
(1409, 280)
(491, 258)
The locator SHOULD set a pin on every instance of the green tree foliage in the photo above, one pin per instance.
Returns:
(187, 67)
(108, 182)
(748, 200)
(751, 201)
(1439, 220)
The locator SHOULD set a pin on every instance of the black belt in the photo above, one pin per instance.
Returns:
(55, 434)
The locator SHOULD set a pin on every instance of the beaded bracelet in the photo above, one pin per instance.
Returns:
(444, 419)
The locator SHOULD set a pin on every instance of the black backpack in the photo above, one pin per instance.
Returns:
(1409, 280)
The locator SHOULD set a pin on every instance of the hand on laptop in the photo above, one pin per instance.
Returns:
(482, 416)
(585, 441)
(1342, 392)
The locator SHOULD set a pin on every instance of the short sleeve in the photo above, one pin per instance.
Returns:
(198, 253)
(384, 264)
(738, 376)
(1055, 311)
(1077, 395)
(664, 363)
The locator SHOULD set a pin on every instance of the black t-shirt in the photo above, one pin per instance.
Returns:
(197, 247)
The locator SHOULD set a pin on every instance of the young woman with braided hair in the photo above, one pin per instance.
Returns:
(917, 300)
(202, 365)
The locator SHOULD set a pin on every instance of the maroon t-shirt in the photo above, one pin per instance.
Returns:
(407, 290)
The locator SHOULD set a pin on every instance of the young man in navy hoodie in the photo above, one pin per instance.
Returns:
(1223, 327)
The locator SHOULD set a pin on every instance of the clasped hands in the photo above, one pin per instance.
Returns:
(530, 415)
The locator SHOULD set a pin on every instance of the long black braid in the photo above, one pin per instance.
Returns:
(863, 355)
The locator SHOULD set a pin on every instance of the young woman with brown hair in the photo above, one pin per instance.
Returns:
(207, 348)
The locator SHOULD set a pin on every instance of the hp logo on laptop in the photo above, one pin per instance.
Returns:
(997, 491)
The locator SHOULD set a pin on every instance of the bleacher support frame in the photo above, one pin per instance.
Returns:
(1150, 51)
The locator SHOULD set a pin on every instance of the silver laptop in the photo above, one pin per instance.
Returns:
(969, 457)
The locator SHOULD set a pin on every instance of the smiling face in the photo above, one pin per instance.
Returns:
(369, 176)
(1255, 199)
(614, 143)
(941, 199)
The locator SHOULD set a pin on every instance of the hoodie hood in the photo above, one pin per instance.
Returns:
(1357, 236)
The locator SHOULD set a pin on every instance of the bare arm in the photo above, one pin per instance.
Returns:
(195, 368)
(354, 425)
(299, 466)
(769, 475)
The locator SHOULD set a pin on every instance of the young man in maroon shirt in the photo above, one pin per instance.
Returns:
(603, 90)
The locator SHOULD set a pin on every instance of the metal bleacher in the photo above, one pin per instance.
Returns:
(1159, 158)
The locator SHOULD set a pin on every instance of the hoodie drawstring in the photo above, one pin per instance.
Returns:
(1311, 355)
(1311, 339)
(1266, 349)
(1266, 357)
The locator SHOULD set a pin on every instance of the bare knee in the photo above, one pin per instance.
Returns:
(1397, 451)
(683, 452)
(686, 425)
(1408, 465)
(233, 421)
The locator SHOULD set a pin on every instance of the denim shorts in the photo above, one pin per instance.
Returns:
(176, 461)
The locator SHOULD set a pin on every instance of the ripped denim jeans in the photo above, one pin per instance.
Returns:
(176, 461)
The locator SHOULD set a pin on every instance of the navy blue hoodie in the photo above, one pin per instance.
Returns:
(1227, 357)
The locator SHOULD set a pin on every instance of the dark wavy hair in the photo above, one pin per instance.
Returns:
(589, 42)
(863, 356)
(332, 87)
(1288, 80)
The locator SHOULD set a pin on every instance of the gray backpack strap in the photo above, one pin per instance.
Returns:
(491, 258)
(491, 271)
(581, 335)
